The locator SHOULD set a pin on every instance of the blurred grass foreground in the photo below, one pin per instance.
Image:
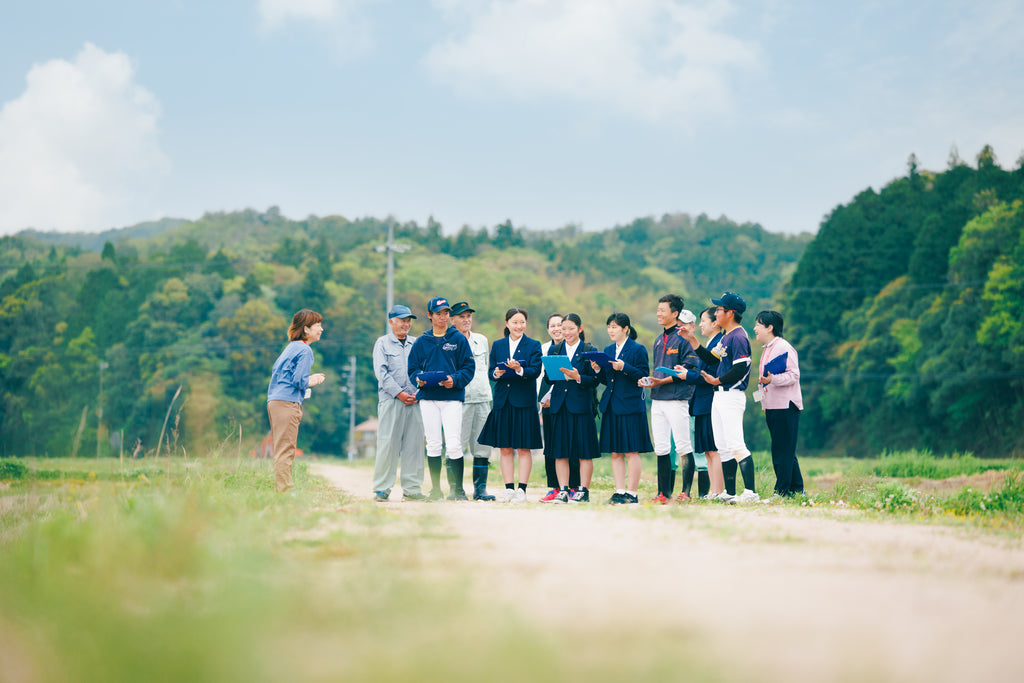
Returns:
(179, 570)
(175, 569)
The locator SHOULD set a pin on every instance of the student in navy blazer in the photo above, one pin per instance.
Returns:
(624, 430)
(571, 411)
(513, 424)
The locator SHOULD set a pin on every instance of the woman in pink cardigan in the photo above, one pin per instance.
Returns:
(781, 400)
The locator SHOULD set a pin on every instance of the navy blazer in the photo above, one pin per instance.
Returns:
(578, 397)
(510, 387)
(622, 393)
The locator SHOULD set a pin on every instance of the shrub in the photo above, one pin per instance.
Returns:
(12, 469)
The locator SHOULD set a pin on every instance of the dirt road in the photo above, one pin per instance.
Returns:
(779, 593)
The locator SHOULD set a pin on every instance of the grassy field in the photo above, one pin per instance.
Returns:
(196, 570)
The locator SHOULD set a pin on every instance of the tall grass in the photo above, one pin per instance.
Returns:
(924, 464)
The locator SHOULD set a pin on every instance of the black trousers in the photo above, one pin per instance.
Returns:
(783, 424)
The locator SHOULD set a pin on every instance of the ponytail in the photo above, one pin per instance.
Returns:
(622, 320)
(575, 319)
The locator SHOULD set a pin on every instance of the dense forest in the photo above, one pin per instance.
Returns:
(906, 309)
(170, 328)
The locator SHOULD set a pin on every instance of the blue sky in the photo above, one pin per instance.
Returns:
(545, 112)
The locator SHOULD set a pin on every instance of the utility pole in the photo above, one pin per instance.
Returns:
(391, 248)
(99, 408)
(351, 407)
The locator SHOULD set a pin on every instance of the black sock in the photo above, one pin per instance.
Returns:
(522, 486)
(664, 467)
(729, 471)
(671, 482)
(574, 472)
(688, 467)
(510, 486)
(703, 483)
(549, 471)
(747, 470)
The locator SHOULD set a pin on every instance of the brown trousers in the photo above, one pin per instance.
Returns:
(285, 417)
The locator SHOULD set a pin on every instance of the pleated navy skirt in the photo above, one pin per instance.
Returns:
(703, 435)
(511, 427)
(625, 433)
(571, 435)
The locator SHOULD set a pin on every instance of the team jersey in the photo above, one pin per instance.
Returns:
(733, 350)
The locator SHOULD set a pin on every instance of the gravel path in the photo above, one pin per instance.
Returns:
(779, 593)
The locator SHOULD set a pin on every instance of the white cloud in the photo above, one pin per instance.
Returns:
(276, 13)
(78, 146)
(343, 21)
(658, 60)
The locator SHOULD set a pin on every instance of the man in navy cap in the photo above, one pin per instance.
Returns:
(441, 366)
(732, 353)
(478, 400)
(399, 424)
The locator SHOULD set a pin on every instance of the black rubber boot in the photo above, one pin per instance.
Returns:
(456, 470)
(664, 470)
(480, 480)
(434, 465)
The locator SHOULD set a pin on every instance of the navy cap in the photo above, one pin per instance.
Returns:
(438, 303)
(400, 311)
(461, 307)
(731, 302)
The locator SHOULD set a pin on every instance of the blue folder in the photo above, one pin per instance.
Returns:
(776, 365)
(599, 357)
(433, 378)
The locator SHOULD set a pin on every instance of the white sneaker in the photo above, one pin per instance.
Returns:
(725, 497)
(748, 496)
(508, 496)
(520, 496)
(710, 496)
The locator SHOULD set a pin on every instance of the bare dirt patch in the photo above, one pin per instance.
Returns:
(777, 593)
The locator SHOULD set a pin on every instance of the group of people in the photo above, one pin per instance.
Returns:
(449, 389)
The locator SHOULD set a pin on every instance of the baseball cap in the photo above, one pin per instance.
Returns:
(438, 303)
(686, 317)
(731, 302)
(400, 311)
(461, 307)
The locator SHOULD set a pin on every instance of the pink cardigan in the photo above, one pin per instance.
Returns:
(785, 386)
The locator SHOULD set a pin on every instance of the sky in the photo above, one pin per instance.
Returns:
(473, 112)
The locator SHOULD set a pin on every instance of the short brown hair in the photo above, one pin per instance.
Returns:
(300, 321)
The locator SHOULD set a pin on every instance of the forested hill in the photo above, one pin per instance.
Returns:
(118, 326)
(906, 310)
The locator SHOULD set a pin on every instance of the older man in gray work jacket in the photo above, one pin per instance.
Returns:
(399, 425)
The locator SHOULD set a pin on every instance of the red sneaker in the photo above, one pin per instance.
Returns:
(551, 495)
(683, 498)
(660, 500)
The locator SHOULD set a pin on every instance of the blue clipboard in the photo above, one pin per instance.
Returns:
(776, 365)
(552, 365)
